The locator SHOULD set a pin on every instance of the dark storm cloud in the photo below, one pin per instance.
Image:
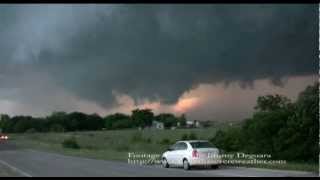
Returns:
(155, 51)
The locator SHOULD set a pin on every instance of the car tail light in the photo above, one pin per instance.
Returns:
(195, 153)
(3, 137)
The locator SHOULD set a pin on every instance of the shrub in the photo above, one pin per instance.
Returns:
(32, 130)
(165, 141)
(91, 134)
(90, 147)
(122, 148)
(229, 139)
(137, 137)
(148, 140)
(192, 136)
(184, 137)
(57, 128)
(70, 143)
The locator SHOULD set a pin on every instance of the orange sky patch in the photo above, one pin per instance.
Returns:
(183, 105)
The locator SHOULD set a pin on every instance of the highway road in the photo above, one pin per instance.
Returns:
(30, 163)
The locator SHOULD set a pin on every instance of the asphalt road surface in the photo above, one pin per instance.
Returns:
(26, 162)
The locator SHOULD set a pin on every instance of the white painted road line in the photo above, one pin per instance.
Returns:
(15, 169)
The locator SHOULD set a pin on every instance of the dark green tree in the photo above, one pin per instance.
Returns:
(271, 102)
(118, 121)
(182, 120)
(167, 119)
(142, 117)
(300, 137)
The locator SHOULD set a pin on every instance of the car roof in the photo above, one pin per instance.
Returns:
(190, 141)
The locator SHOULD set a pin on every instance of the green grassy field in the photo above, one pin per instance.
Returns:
(116, 144)
(110, 145)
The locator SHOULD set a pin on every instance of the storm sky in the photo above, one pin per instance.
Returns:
(207, 61)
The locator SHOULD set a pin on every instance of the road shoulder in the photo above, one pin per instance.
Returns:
(7, 171)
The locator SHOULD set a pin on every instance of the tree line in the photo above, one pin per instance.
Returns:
(78, 121)
(285, 129)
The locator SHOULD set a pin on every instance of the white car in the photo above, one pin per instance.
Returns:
(187, 154)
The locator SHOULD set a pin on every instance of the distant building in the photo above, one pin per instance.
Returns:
(193, 124)
(197, 124)
(157, 125)
(189, 123)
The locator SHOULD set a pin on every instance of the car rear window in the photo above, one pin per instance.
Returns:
(201, 145)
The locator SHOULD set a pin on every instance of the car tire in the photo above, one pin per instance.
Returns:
(215, 167)
(186, 165)
(165, 163)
